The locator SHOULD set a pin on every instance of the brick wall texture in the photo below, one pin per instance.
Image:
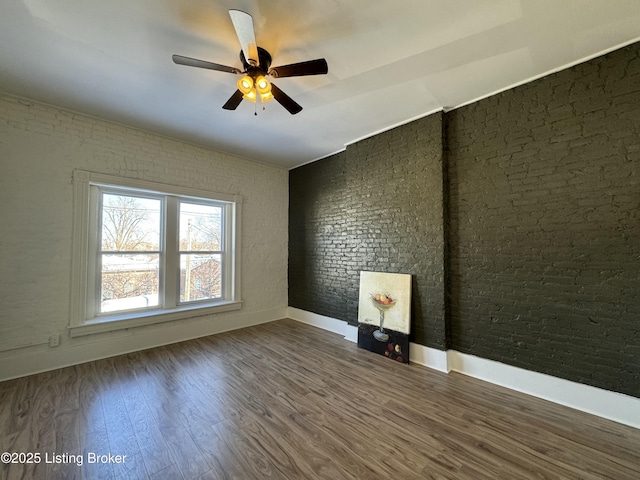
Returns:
(378, 207)
(540, 266)
(40, 146)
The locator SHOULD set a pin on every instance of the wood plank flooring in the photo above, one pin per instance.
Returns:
(285, 400)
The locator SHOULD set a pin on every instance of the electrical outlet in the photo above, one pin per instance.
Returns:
(54, 341)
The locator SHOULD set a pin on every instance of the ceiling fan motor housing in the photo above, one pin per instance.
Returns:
(264, 58)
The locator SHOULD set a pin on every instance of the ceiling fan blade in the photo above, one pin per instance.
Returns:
(193, 62)
(311, 67)
(243, 24)
(234, 101)
(285, 100)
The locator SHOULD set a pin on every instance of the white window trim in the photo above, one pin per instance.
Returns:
(79, 324)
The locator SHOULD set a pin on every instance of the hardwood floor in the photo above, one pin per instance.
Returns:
(287, 401)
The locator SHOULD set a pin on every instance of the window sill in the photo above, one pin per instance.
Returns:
(140, 319)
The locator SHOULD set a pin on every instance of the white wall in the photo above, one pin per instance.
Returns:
(40, 146)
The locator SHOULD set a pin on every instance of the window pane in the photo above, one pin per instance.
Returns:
(130, 223)
(129, 282)
(200, 227)
(200, 277)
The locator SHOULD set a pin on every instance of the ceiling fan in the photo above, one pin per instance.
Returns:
(256, 62)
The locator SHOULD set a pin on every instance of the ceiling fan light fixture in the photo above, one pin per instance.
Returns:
(251, 95)
(266, 97)
(245, 85)
(262, 84)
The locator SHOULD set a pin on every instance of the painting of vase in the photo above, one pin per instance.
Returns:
(384, 314)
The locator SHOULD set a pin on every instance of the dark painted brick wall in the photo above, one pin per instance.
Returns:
(377, 206)
(541, 225)
(545, 224)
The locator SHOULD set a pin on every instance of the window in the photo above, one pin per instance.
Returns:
(147, 253)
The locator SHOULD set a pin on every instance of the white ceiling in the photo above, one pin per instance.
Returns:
(389, 61)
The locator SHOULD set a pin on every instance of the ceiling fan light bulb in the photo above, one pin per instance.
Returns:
(266, 97)
(251, 95)
(263, 85)
(245, 84)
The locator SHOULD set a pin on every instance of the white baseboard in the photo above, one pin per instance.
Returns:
(429, 357)
(340, 327)
(42, 359)
(603, 403)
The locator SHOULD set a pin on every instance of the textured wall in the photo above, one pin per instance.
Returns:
(40, 147)
(377, 206)
(545, 224)
(542, 225)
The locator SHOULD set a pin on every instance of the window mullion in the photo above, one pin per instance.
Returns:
(170, 257)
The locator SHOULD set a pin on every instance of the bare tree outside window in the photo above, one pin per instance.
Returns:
(130, 223)
(200, 248)
(130, 244)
